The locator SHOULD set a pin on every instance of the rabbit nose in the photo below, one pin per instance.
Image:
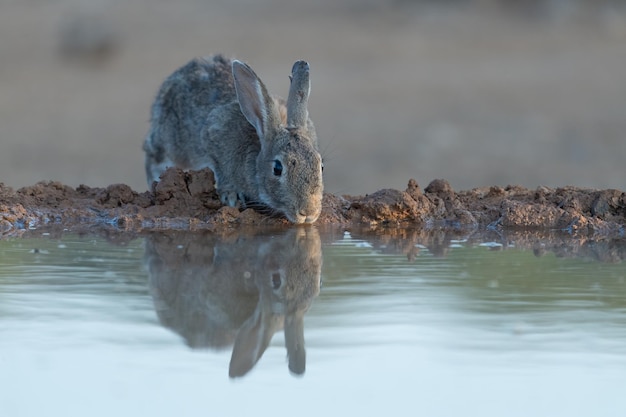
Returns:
(308, 217)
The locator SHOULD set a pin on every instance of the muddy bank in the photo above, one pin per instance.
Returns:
(187, 201)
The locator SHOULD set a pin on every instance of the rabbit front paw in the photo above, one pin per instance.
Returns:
(232, 198)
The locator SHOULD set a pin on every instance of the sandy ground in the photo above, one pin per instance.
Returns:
(400, 90)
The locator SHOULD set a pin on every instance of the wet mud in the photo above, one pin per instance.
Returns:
(188, 201)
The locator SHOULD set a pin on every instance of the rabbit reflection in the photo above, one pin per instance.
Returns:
(217, 291)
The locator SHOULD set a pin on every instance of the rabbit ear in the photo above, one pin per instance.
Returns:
(255, 102)
(297, 102)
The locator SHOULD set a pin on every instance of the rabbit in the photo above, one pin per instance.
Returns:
(215, 112)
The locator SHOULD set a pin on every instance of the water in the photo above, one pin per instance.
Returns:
(396, 322)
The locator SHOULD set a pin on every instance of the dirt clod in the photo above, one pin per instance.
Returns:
(187, 200)
(439, 187)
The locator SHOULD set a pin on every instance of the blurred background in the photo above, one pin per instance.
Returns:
(479, 92)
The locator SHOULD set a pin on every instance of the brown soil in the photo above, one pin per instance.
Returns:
(187, 201)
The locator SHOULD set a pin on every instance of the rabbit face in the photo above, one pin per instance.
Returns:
(291, 177)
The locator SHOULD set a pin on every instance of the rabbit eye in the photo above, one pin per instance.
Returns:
(278, 168)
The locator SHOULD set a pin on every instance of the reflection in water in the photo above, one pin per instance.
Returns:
(217, 290)
(438, 242)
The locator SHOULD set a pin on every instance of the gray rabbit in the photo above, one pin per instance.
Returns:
(217, 113)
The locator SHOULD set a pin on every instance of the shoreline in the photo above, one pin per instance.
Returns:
(187, 201)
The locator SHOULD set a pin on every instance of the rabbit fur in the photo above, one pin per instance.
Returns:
(215, 112)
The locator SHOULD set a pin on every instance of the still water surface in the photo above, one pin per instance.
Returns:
(311, 322)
